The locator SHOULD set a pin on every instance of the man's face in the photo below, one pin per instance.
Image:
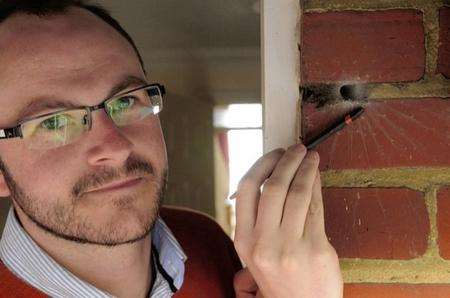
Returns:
(76, 58)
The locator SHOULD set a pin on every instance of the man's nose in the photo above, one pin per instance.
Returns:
(109, 147)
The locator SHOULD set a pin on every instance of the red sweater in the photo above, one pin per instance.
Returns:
(210, 267)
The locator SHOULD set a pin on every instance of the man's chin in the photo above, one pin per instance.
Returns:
(123, 224)
(126, 230)
(118, 237)
(105, 226)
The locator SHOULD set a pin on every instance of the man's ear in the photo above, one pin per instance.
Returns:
(4, 189)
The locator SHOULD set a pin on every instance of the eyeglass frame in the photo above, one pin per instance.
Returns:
(16, 131)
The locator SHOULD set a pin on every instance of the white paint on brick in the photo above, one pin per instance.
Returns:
(280, 71)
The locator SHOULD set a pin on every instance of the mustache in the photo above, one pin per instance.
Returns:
(134, 166)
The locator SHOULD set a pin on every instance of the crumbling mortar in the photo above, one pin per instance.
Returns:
(419, 179)
(371, 5)
(431, 204)
(431, 86)
(431, 22)
(414, 271)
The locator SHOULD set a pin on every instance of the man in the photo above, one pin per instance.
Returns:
(84, 163)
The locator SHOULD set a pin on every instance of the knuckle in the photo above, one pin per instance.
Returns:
(298, 188)
(272, 184)
(315, 208)
(264, 259)
(289, 263)
(324, 255)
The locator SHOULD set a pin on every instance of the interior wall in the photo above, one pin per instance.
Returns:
(221, 75)
(188, 130)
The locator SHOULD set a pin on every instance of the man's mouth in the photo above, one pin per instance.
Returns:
(117, 185)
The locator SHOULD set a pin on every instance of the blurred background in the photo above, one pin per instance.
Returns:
(207, 54)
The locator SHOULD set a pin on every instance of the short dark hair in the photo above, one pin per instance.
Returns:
(44, 8)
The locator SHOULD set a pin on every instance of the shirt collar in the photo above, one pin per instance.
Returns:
(21, 254)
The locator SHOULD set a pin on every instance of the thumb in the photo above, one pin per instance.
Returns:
(244, 284)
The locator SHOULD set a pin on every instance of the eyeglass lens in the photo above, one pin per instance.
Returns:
(65, 127)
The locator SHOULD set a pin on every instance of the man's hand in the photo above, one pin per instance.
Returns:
(280, 230)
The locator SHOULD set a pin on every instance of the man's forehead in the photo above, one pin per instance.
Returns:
(75, 49)
(73, 34)
(71, 21)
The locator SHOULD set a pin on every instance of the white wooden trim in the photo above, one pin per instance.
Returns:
(280, 59)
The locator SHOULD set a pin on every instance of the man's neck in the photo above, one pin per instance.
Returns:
(122, 271)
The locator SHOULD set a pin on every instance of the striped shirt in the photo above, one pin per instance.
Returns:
(22, 256)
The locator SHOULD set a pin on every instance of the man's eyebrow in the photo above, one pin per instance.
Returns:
(128, 81)
(40, 104)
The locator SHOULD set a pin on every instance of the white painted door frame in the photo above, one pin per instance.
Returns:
(280, 59)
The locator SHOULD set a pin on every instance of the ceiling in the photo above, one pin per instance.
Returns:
(208, 45)
(190, 23)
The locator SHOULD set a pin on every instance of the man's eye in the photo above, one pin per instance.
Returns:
(55, 122)
(122, 104)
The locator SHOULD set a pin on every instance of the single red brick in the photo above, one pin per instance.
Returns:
(369, 290)
(376, 223)
(391, 133)
(443, 222)
(444, 40)
(379, 46)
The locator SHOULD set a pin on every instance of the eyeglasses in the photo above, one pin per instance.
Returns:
(66, 126)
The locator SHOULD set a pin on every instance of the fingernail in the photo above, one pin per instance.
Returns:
(292, 147)
(233, 196)
(298, 146)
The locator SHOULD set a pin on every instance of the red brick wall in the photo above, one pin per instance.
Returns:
(387, 176)
(373, 46)
(444, 49)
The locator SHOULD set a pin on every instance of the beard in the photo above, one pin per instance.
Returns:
(130, 217)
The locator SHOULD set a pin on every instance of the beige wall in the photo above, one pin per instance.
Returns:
(187, 125)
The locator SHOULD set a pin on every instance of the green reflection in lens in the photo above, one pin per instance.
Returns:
(120, 105)
(56, 122)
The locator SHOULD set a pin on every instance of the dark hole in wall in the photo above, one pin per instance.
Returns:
(326, 95)
(329, 103)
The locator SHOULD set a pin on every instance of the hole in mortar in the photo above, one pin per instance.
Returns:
(354, 93)
(348, 92)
